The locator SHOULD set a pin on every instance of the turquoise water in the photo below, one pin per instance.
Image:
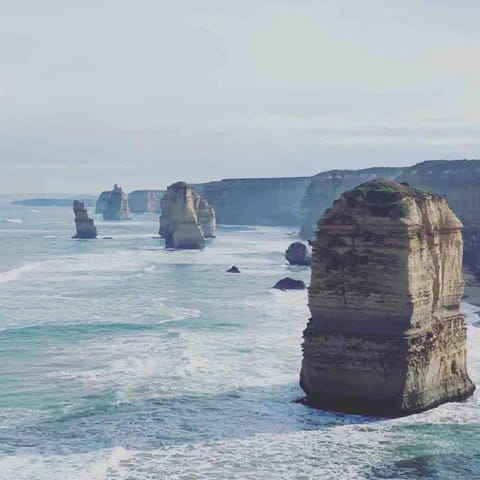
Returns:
(120, 360)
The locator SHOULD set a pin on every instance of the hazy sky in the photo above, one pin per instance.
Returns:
(147, 92)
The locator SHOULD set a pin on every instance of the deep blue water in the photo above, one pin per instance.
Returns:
(120, 360)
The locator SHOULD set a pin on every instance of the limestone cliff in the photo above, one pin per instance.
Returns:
(117, 205)
(256, 201)
(102, 201)
(145, 201)
(184, 215)
(386, 335)
(325, 187)
(85, 228)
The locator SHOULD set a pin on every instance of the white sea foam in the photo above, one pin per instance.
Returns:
(12, 220)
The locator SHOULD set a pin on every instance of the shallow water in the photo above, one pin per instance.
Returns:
(120, 360)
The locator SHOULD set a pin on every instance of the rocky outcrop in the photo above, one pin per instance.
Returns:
(297, 254)
(325, 187)
(288, 283)
(84, 225)
(145, 201)
(233, 269)
(102, 201)
(180, 225)
(386, 335)
(256, 201)
(117, 205)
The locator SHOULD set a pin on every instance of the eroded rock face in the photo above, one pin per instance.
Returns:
(297, 254)
(386, 335)
(117, 205)
(84, 225)
(184, 215)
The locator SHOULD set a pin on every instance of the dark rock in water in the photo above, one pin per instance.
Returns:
(386, 335)
(84, 225)
(117, 206)
(288, 283)
(233, 269)
(297, 254)
(186, 218)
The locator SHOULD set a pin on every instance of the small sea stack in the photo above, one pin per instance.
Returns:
(386, 336)
(84, 225)
(117, 205)
(297, 254)
(288, 283)
(185, 216)
(233, 269)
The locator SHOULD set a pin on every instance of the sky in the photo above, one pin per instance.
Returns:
(147, 92)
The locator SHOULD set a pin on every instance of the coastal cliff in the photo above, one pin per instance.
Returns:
(256, 201)
(117, 205)
(145, 201)
(325, 187)
(386, 335)
(185, 214)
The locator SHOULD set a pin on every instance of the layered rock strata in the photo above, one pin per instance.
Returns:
(85, 227)
(297, 254)
(145, 201)
(184, 216)
(386, 335)
(117, 205)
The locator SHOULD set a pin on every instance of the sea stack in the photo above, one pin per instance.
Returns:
(297, 254)
(386, 335)
(117, 205)
(184, 215)
(84, 225)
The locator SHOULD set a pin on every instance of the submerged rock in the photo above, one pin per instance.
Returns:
(117, 205)
(233, 269)
(386, 334)
(84, 225)
(297, 254)
(180, 224)
(288, 283)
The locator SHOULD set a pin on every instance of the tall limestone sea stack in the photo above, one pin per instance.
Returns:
(84, 225)
(187, 219)
(386, 335)
(117, 205)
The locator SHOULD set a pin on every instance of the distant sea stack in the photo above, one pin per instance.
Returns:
(102, 201)
(117, 205)
(184, 216)
(84, 225)
(145, 201)
(297, 254)
(386, 335)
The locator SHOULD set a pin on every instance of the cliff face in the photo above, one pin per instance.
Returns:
(102, 201)
(142, 201)
(84, 225)
(184, 215)
(386, 335)
(256, 201)
(117, 205)
(325, 187)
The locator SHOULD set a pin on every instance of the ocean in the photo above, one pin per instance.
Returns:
(120, 360)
